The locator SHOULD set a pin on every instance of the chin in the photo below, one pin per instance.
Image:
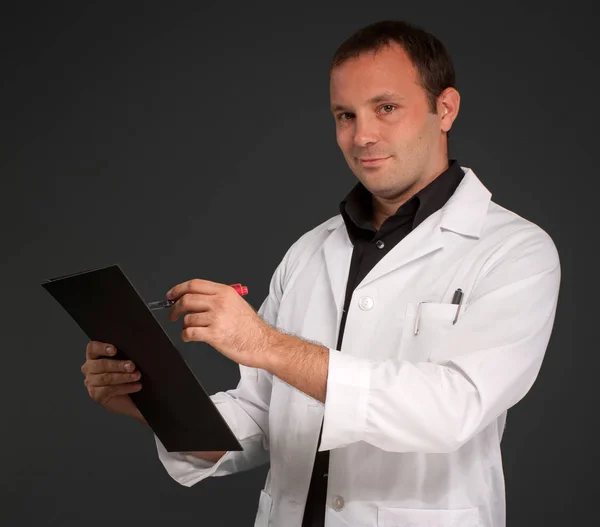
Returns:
(388, 190)
(377, 182)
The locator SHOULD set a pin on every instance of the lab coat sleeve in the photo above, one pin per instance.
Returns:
(488, 362)
(245, 409)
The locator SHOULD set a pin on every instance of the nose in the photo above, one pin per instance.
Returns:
(365, 132)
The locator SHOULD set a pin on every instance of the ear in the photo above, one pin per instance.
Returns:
(447, 105)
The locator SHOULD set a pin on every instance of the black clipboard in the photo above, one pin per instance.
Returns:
(106, 306)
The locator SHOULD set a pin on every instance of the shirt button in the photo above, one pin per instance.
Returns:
(338, 503)
(366, 303)
(380, 244)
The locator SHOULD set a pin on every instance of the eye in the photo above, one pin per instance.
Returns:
(344, 116)
(388, 108)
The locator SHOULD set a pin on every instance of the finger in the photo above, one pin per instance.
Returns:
(196, 285)
(130, 387)
(201, 320)
(95, 350)
(109, 365)
(104, 394)
(111, 379)
(190, 303)
(195, 334)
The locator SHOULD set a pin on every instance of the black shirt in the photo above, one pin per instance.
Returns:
(370, 246)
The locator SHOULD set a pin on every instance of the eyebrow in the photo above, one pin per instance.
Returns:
(385, 96)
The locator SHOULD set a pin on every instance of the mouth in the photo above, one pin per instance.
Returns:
(373, 161)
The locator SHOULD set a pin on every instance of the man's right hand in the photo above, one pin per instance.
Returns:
(109, 381)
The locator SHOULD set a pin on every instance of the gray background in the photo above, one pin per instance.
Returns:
(196, 141)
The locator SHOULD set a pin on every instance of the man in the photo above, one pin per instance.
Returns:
(377, 374)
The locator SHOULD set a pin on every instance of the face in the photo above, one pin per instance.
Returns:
(392, 142)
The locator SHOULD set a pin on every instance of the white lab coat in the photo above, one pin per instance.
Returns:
(413, 421)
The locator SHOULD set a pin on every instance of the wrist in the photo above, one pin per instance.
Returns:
(271, 353)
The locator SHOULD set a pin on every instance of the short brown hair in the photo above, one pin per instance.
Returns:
(427, 53)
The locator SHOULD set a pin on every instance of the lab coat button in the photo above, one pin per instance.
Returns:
(338, 503)
(366, 303)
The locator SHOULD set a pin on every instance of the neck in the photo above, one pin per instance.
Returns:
(384, 208)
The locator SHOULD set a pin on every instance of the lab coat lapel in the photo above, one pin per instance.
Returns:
(464, 214)
(337, 250)
(425, 239)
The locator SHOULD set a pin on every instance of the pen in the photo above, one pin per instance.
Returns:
(457, 299)
(161, 304)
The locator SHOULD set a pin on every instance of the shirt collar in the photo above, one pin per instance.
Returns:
(357, 207)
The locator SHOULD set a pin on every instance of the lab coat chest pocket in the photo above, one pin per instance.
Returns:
(426, 329)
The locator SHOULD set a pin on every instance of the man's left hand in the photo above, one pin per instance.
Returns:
(219, 316)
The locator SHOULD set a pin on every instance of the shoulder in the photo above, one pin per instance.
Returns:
(316, 236)
(305, 246)
(516, 237)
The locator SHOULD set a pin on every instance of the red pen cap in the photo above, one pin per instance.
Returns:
(241, 289)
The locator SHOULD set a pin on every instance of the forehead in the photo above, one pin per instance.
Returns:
(388, 69)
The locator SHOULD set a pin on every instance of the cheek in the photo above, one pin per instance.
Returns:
(404, 140)
(344, 140)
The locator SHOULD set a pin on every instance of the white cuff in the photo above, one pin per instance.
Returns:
(187, 469)
(345, 418)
